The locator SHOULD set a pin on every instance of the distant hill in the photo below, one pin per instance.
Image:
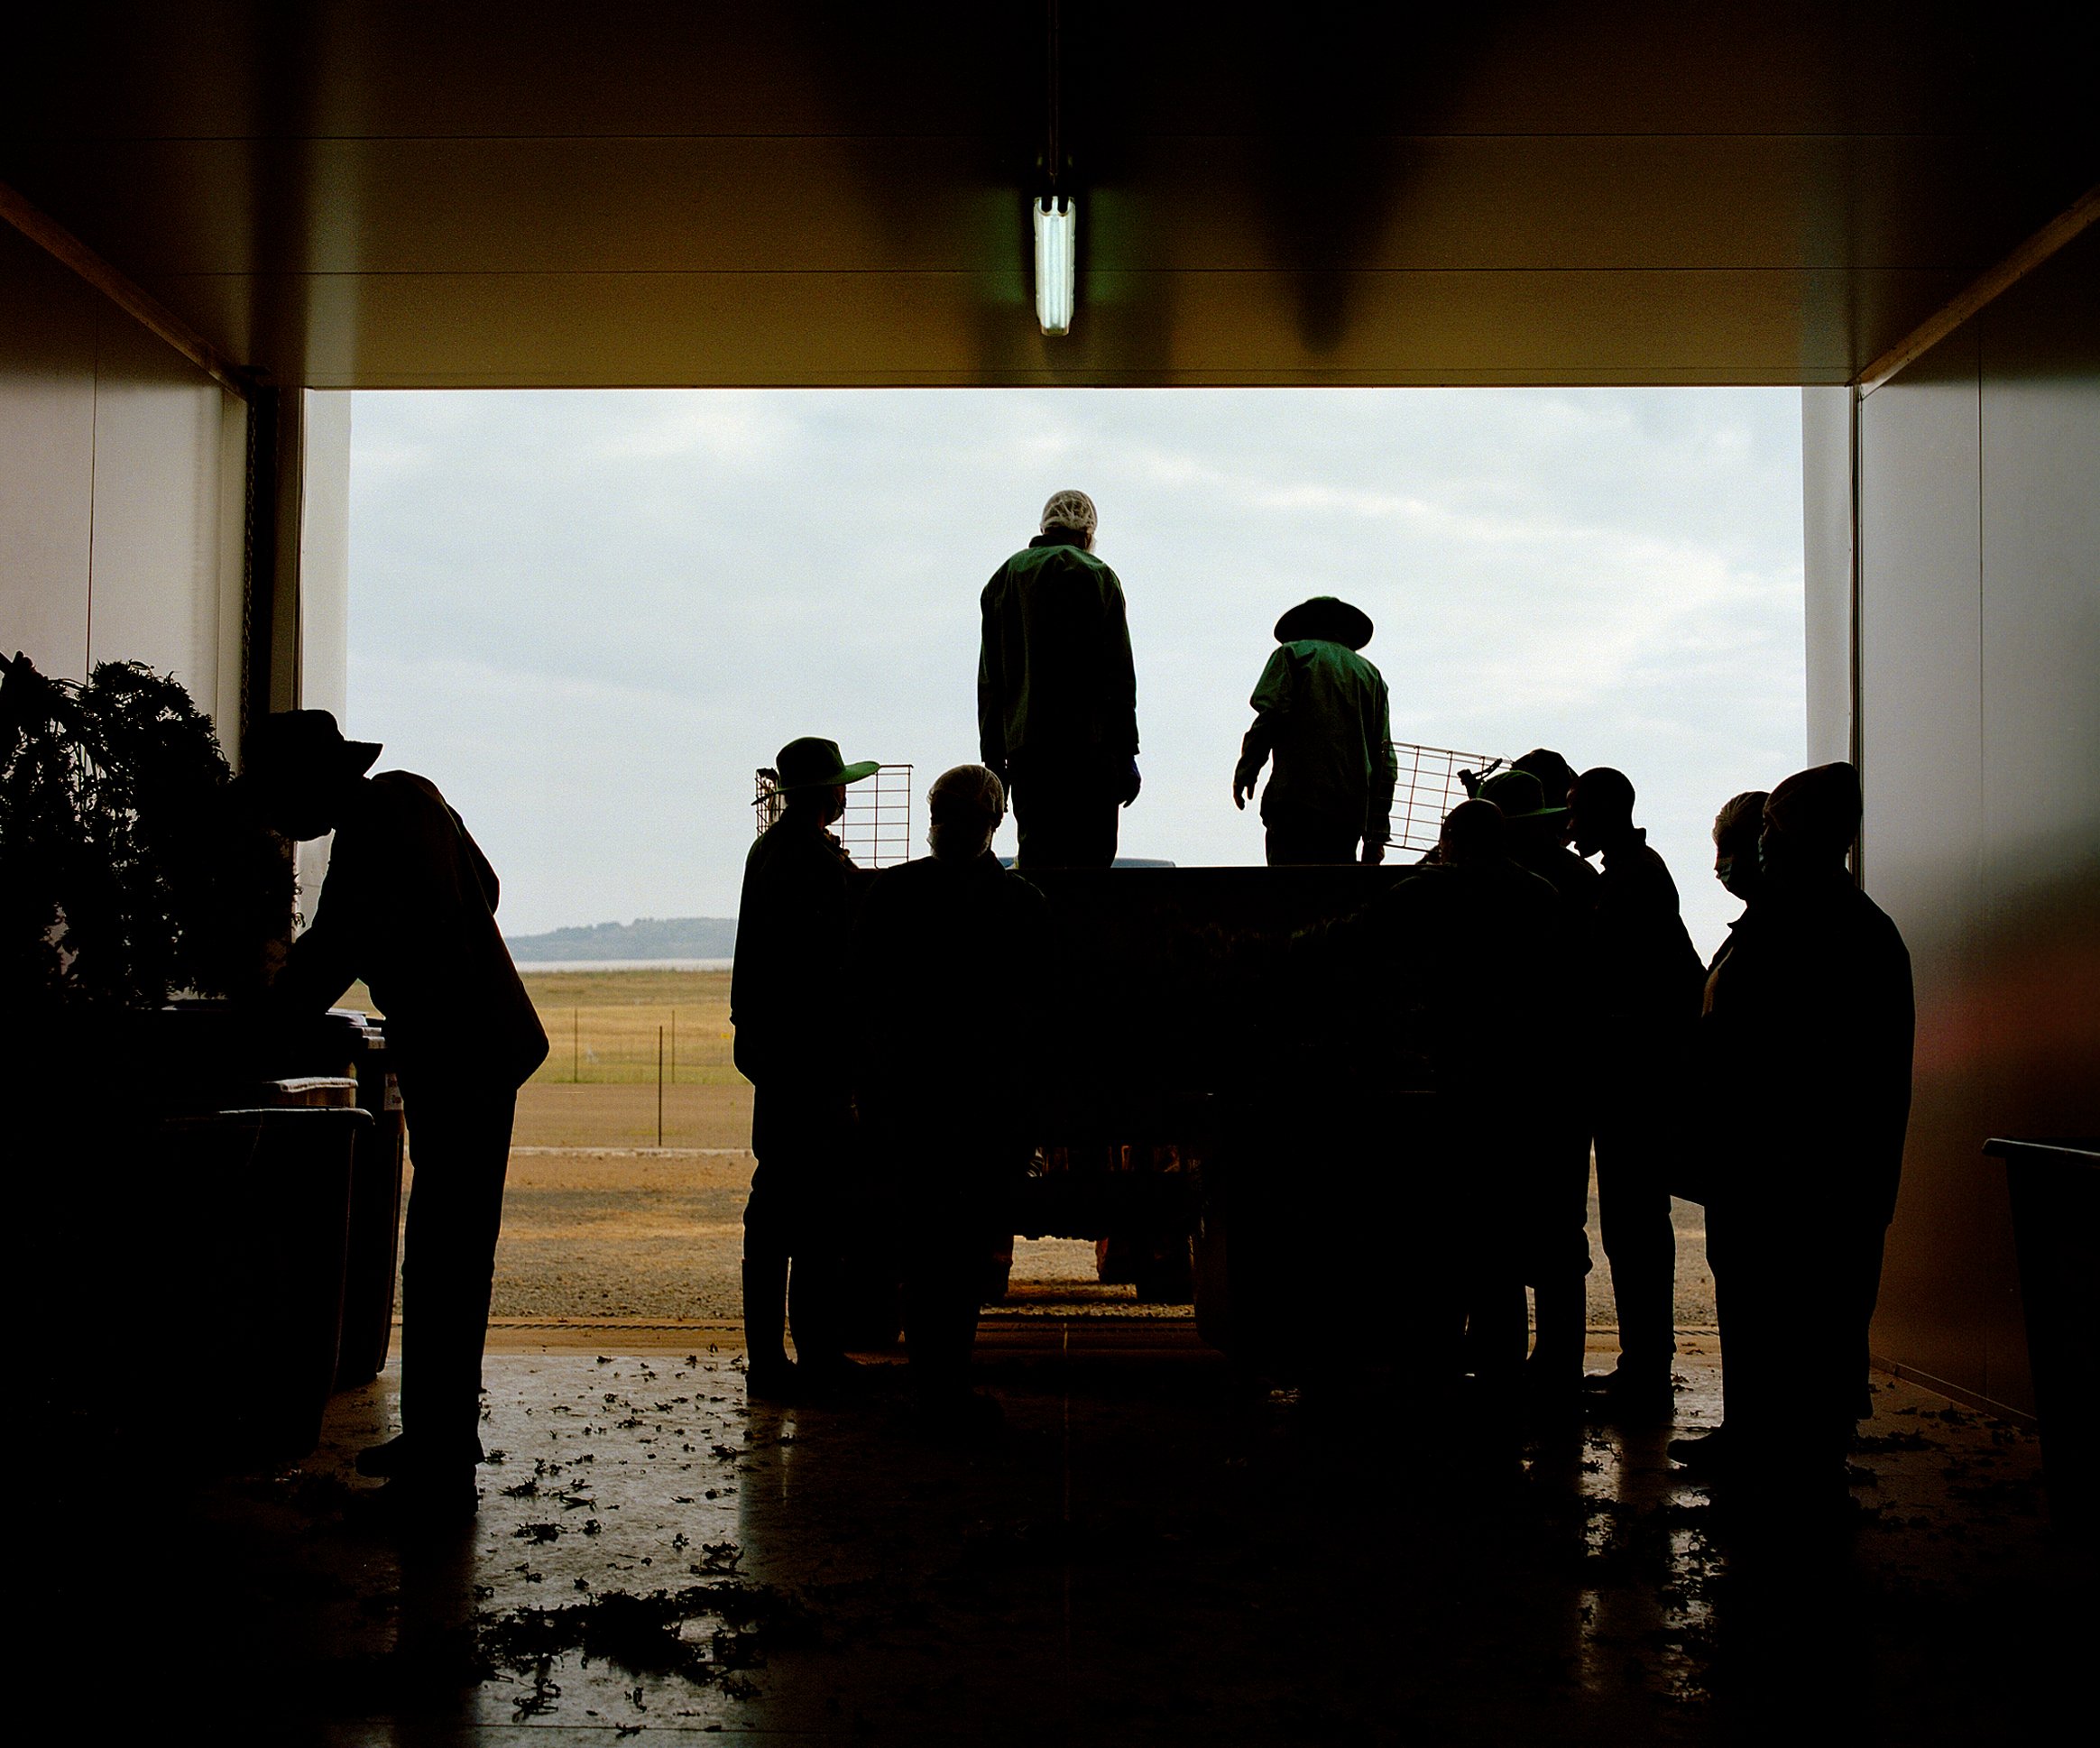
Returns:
(647, 937)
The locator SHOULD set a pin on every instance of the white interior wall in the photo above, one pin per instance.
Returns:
(121, 492)
(323, 544)
(1980, 706)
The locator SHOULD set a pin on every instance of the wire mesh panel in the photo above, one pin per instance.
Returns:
(876, 826)
(1428, 783)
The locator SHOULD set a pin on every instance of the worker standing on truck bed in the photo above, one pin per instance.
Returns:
(1321, 714)
(1644, 985)
(1057, 692)
(786, 1002)
(409, 905)
(1808, 1028)
(951, 970)
(1552, 1203)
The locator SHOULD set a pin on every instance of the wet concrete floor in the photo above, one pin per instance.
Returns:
(1155, 1548)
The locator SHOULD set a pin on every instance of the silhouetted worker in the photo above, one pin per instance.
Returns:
(1057, 692)
(1644, 985)
(1556, 778)
(950, 963)
(1736, 830)
(788, 1003)
(409, 905)
(1470, 942)
(1553, 1209)
(1809, 1025)
(1321, 712)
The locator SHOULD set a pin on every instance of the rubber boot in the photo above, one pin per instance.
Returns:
(814, 1316)
(768, 1369)
(1553, 1373)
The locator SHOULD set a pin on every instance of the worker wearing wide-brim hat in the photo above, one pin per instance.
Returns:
(410, 907)
(1321, 714)
(801, 892)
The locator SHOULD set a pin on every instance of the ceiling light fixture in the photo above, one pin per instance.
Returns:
(1055, 220)
(1057, 262)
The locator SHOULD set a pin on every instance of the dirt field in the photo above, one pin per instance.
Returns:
(599, 1222)
(554, 1115)
(625, 1234)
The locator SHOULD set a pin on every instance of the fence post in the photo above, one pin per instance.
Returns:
(659, 1088)
(576, 1046)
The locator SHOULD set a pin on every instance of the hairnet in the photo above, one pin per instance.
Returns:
(1069, 509)
(965, 806)
(1739, 816)
(1818, 809)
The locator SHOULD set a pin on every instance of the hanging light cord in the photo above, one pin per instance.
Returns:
(1054, 147)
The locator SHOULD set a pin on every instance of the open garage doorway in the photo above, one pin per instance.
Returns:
(591, 616)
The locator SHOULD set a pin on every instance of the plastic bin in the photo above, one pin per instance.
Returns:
(2055, 1190)
(244, 1244)
(373, 1261)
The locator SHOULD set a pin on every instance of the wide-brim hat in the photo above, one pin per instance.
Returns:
(1328, 619)
(292, 746)
(1548, 767)
(810, 763)
(1519, 795)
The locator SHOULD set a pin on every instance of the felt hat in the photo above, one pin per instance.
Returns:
(1556, 776)
(292, 746)
(810, 763)
(1519, 795)
(1328, 619)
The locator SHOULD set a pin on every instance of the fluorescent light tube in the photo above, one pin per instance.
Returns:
(1057, 262)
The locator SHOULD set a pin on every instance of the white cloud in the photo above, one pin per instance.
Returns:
(590, 616)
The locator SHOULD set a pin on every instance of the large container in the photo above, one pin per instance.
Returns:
(2054, 1190)
(374, 1262)
(239, 1237)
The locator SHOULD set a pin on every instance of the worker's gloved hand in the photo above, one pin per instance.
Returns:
(1132, 782)
(1374, 854)
(1245, 776)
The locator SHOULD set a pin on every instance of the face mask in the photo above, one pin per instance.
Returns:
(958, 841)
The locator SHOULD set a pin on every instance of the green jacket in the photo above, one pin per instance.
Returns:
(1321, 709)
(1053, 670)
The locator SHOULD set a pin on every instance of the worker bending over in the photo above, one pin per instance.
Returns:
(409, 905)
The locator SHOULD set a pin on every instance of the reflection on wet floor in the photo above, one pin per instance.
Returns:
(1155, 1548)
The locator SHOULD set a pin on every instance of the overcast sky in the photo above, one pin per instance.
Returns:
(590, 616)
